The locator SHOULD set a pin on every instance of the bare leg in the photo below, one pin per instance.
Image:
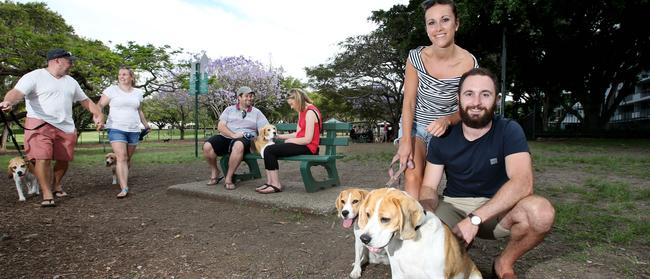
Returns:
(413, 177)
(60, 168)
(273, 178)
(122, 164)
(43, 172)
(529, 222)
(236, 155)
(211, 157)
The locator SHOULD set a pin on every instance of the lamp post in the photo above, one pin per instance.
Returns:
(198, 86)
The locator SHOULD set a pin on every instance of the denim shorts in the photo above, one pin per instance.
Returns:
(130, 138)
(418, 131)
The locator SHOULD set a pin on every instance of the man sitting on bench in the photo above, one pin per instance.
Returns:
(238, 125)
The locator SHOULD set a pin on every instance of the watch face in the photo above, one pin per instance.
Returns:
(475, 220)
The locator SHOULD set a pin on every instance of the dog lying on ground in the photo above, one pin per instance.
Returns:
(265, 137)
(111, 161)
(22, 173)
(418, 244)
(347, 205)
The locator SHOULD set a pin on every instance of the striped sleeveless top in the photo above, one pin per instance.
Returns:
(435, 97)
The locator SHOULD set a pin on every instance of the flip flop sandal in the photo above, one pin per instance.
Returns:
(123, 194)
(261, 187)
(48, 203)
(60, 194)
(215, 180)
(229, 186)
(275, 189)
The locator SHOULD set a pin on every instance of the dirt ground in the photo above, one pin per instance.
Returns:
(153, 234)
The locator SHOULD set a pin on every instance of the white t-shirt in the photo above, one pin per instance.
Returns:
(123, 113)
(50, 99)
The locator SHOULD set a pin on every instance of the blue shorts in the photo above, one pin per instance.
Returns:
(130, 138)
(418, 131)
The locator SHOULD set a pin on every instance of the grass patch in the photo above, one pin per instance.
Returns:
(603, 212)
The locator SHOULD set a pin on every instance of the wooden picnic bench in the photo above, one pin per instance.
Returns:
(329, 139)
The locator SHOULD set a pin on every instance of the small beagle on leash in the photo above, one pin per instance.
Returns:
(417, 243)
(111, 160)
(347, 206)
(22, 173)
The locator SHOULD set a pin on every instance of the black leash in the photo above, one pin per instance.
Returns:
(11, 133)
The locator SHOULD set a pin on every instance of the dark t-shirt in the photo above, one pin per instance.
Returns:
(477, 168)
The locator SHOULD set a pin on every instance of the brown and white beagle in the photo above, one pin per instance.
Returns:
(347, 206)
(265, 137)
(111, 162)
(22, 173)
(418, 244)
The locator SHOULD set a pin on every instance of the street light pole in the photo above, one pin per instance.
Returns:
(503, 72)
(196, 110)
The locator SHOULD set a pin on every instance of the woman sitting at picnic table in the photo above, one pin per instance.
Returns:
(303, 142)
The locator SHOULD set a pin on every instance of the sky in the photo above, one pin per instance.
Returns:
(291, 34)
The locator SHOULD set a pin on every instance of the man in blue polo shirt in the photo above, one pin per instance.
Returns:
(489, 190)
(238, 125)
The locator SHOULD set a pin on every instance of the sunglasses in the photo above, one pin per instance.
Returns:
(243, 114)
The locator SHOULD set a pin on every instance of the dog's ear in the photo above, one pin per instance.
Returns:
(412, 214)
(338, 203)
(362, 218)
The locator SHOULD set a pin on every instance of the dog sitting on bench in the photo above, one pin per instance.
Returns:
(265, 137)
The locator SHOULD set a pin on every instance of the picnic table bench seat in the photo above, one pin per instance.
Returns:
(329, 139)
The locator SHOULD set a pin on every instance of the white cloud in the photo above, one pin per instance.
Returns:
(291, 33)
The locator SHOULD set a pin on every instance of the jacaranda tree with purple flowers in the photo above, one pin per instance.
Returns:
(233, 72)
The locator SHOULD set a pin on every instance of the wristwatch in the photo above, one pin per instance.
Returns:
(475, 219)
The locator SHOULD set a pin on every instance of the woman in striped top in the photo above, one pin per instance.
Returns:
(430, 103)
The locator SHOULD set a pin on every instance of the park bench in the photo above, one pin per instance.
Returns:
(329, 139)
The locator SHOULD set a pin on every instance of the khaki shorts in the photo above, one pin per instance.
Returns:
(452, 210)
(48, 142)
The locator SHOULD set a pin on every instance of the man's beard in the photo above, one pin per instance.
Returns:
(477, 122)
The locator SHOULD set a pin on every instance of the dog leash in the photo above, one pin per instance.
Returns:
(11, 133)
(394, 176)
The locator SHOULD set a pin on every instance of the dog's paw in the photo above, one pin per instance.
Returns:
(356, 272)
(22, 199)
(114, 181)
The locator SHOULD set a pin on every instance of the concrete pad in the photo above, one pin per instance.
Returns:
(293, 197)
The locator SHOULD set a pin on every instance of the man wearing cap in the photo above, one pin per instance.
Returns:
(50, 133)
(238, 125)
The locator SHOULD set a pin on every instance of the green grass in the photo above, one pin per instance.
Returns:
(602, 207)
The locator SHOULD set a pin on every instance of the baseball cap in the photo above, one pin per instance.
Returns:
(60, 53)
(244, 90)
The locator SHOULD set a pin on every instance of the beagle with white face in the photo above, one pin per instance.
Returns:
(22, 173)
(347, 206)
(265, 137)
(418, 244)
(111, 162)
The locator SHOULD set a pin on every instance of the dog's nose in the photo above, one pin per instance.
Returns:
(19, 173)
(365, 238)
(275, 133)
(345, 213)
